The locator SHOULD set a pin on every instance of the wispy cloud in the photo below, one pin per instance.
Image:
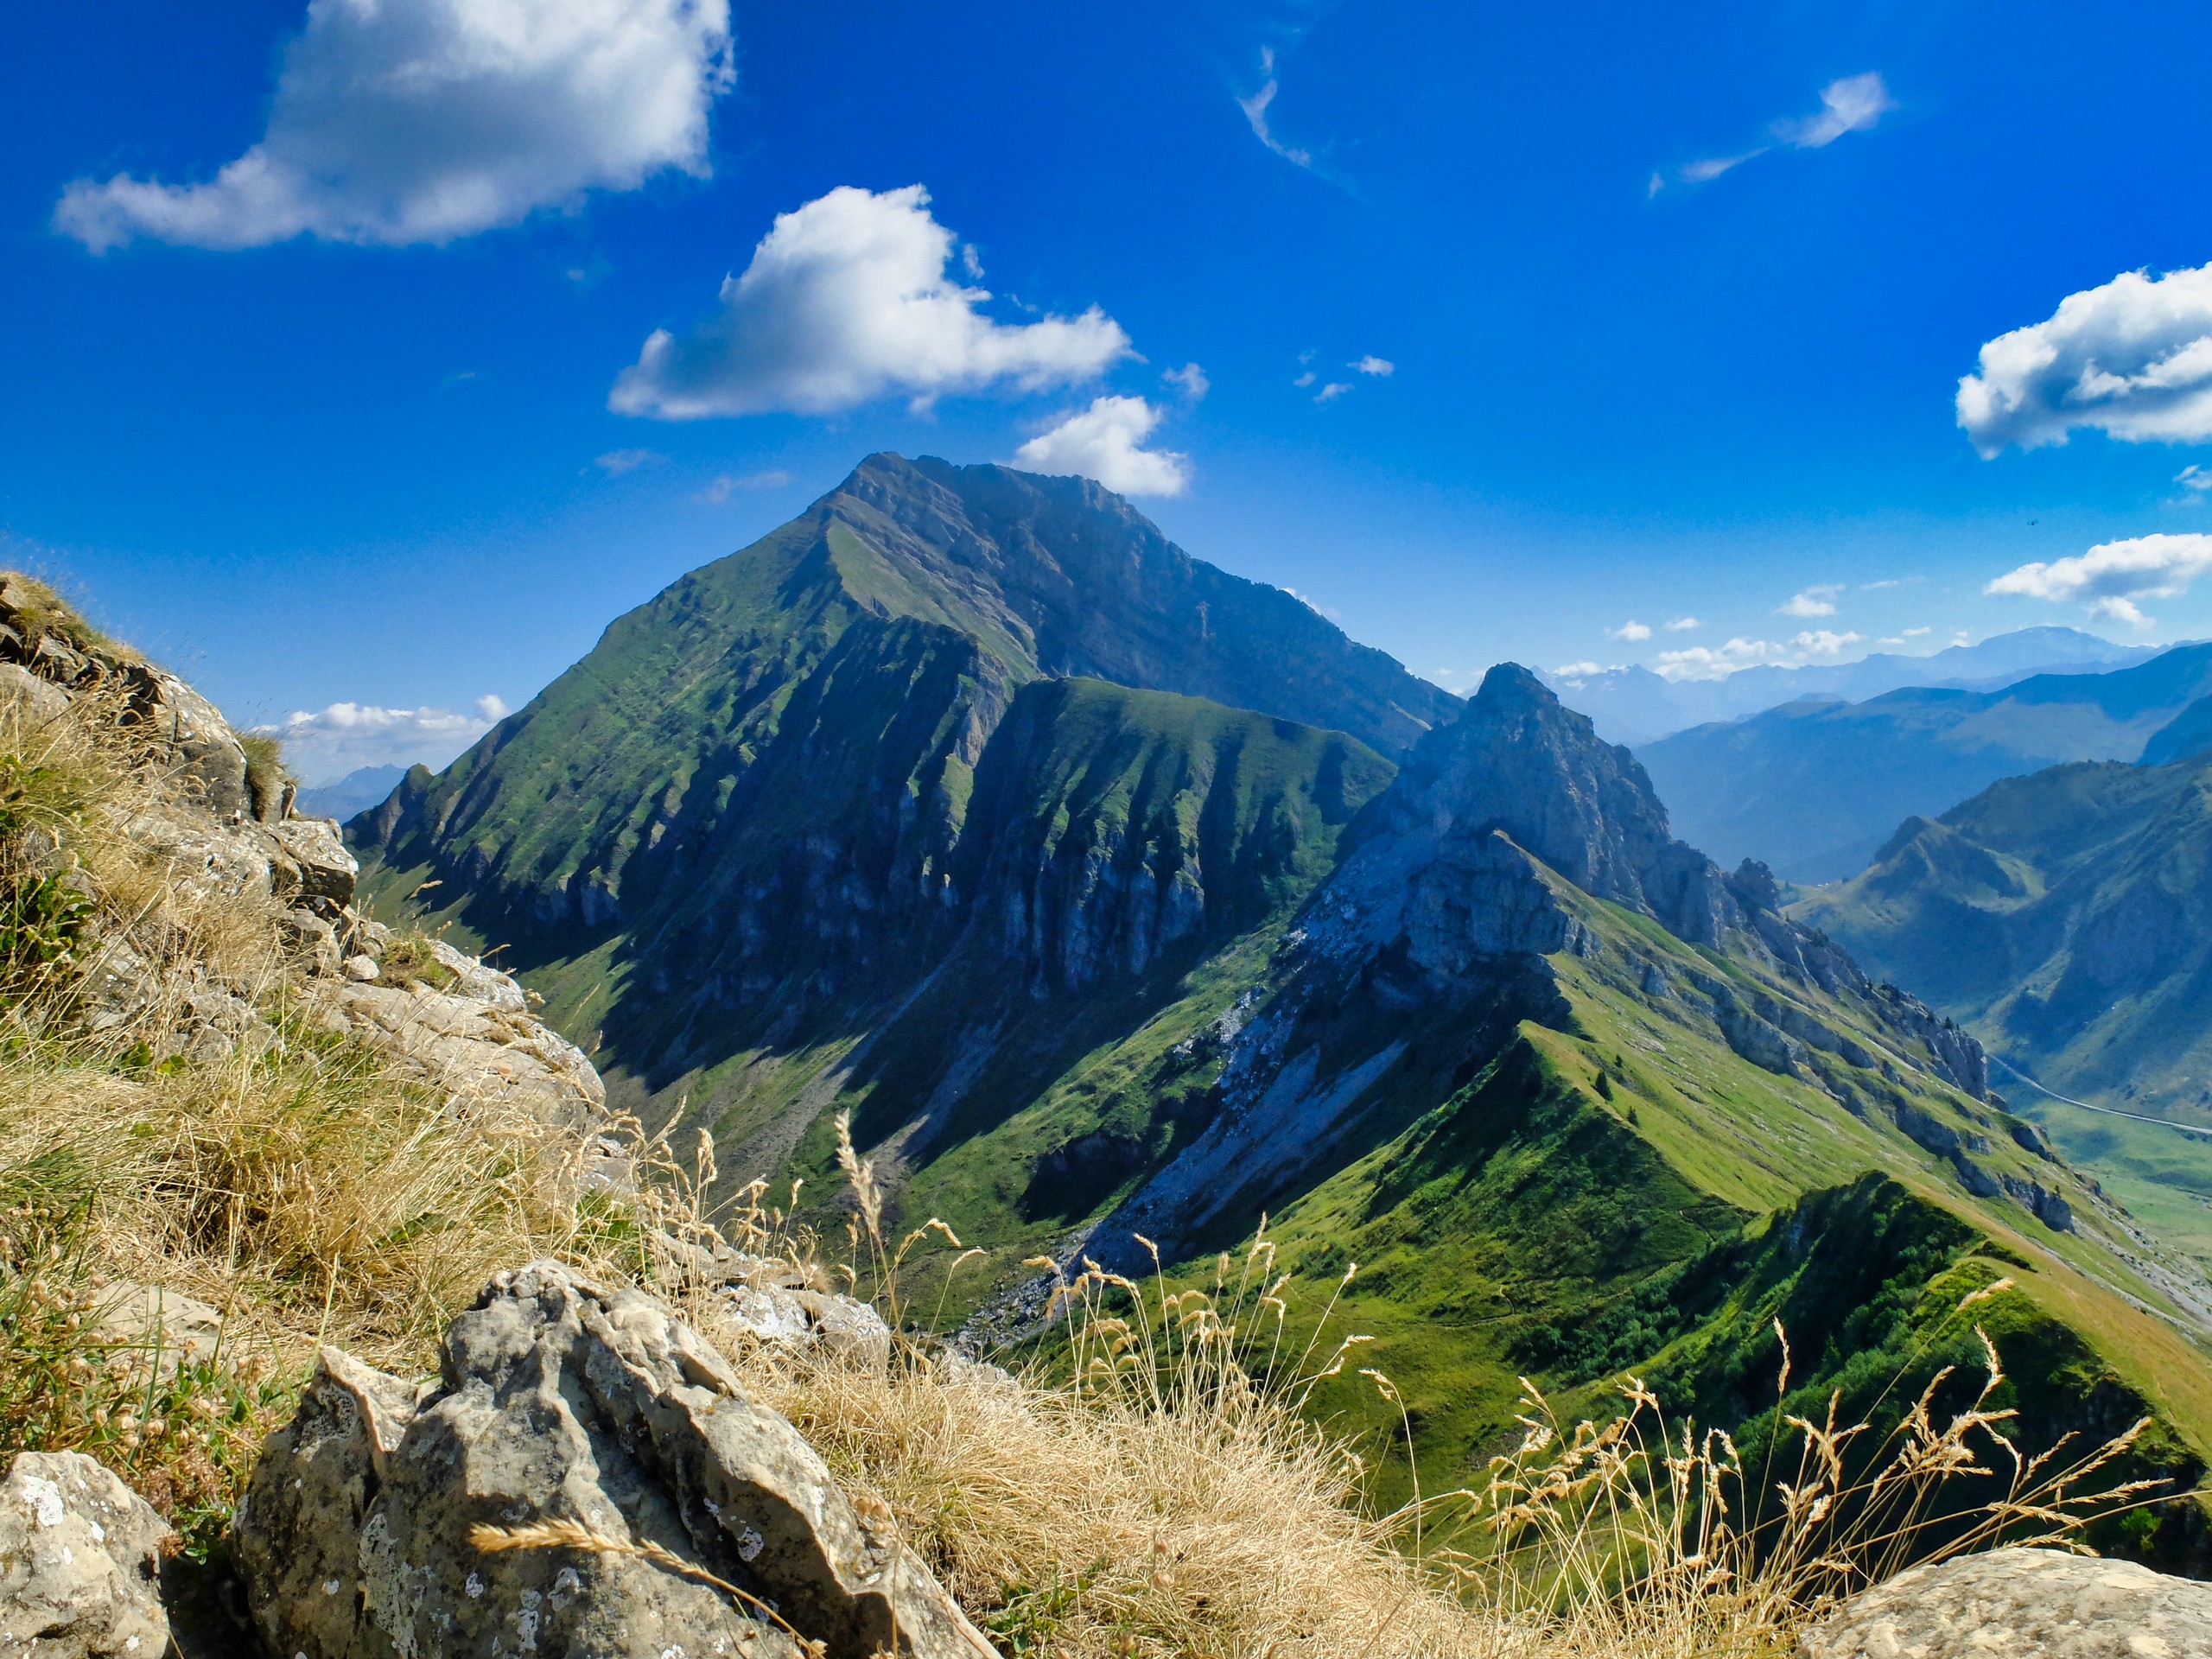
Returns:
(1683, 624)
(2113, 576)
(615, 462)
(1330, 393)
(1852, 104)
(2195, 483)
(1816, 600)
(725, 485)
(1256, 112)
(1373, 365)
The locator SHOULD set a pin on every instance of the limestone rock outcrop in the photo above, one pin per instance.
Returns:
(80, 1563)
(565, 1404)
(470, 1044)
(227, 831)
(2021, 1604)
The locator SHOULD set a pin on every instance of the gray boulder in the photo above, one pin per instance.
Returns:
(203, 750)
(563, 1402)
(315, 849)
(81, 1562)
(2021, 1604)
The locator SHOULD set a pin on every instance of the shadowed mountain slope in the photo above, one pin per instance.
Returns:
(1814, 788)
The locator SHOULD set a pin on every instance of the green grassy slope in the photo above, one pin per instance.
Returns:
(1624, 1192)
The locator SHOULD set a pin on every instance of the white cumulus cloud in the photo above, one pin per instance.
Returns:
(1816, 600)
(1103, 441)
(324, 746)
(1717, 662)
(1575, 673)
(1823, 642)
(846, 300)
(2132, 359)
(2113, 576)
(1683, 624)
(1630, 629)
(404, 121)
(1376, 365)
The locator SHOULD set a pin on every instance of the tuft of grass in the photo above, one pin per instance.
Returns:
(407, 961)
(266, 774)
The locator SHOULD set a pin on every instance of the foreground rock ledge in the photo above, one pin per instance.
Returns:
(80, 1562)
(2021, 1604)
(562, 1400)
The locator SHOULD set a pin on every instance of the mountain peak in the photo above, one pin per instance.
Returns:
(1519, 760)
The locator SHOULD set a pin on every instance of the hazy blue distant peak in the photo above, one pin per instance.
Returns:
(356, 791)
(1634, 705)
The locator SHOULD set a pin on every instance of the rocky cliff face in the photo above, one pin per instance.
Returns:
(1466, 879)
(1518, 763)
(1108, 826)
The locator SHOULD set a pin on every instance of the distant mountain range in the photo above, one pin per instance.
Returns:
(356, 791)
(1635, 706)
(1813, 788)
(1113, 896)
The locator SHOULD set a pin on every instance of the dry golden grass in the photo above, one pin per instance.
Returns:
(295, 1179)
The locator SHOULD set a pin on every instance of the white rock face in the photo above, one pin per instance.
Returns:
(476, 1049)
(80, 1558)
(2021, 1604)
(561, 1400)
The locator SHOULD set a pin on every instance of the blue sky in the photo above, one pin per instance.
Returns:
(331, 393)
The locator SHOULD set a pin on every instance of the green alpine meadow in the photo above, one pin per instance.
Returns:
(1131, 915)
